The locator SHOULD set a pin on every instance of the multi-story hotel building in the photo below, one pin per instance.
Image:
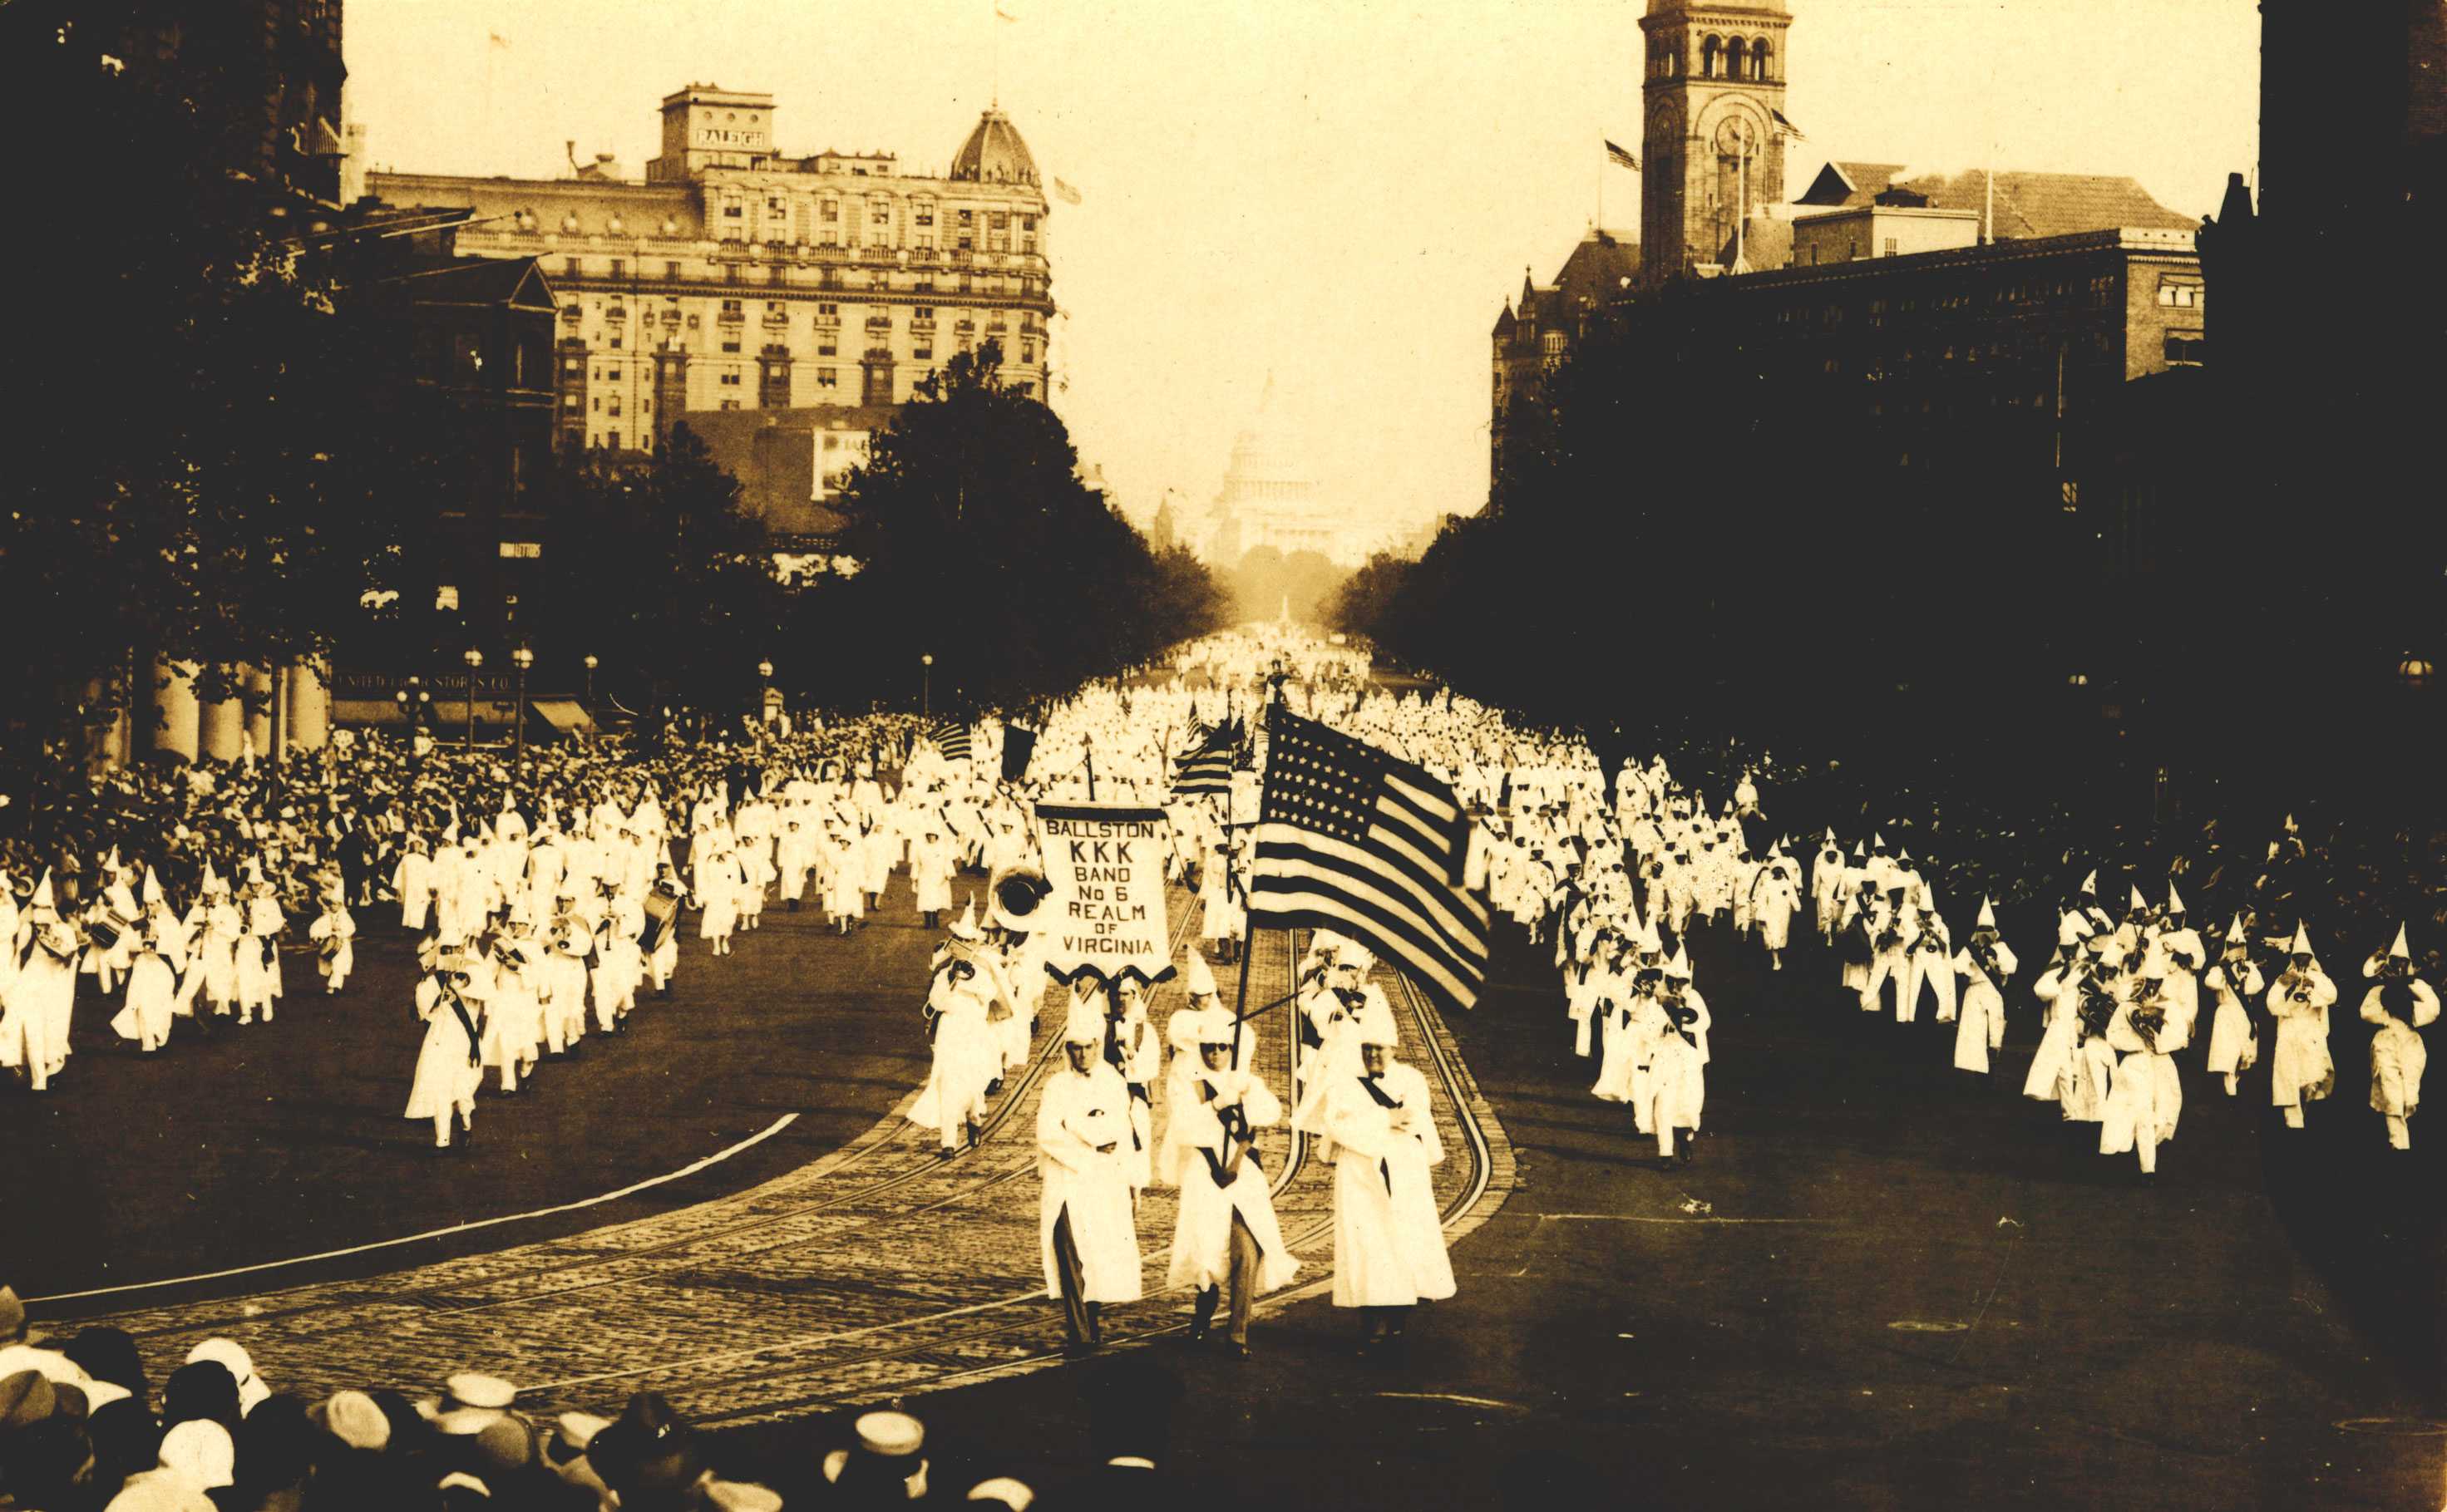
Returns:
(736, 277)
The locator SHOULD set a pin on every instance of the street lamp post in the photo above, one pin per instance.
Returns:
(764, 689)
(925, 683)
(591, 664)
(521, 658)
(475, 660)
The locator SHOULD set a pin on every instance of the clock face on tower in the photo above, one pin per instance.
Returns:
(1735, 137)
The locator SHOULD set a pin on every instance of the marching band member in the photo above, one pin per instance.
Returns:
(2398, 1005)
(334, 934)
(2234, 982)
(1986, 964)
(2300, 1069)
(450, 1059)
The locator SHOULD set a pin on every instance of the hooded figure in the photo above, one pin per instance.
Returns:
(1087, 1230)
(1226, 1237)
(1388, 1245)
(2398, 1007)
(2300, 1071)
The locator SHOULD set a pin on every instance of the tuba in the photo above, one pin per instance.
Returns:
(1018, 893)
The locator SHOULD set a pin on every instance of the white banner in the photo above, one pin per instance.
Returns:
(1105, 915)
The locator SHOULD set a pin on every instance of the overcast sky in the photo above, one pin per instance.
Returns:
(1338, 190)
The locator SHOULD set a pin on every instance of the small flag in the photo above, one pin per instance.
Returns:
(1785, 128)
(1063, 192)
(1207, 769)
(1019, 744)
(951, 737)
(1621, 157)
(1350, 839)
(1000, 14)
(496, 40)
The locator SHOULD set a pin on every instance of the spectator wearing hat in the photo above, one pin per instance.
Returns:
(201, 1392)
(565, 1453)
(885, 1467)
(1087, 1230)
(23, 1347)
(51, 1464)
(649, 1458)
(197, 1459)
(231, 1356)
(1130, 1431)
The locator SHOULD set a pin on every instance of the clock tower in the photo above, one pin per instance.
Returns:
(1713, 97)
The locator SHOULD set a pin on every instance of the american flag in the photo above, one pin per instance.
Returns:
(1352, 839)
(1206, 768)
(951, 737)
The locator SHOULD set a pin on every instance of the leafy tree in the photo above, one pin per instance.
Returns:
(981, 547)
(658, 570)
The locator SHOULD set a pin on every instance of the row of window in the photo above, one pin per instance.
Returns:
(1750, 58)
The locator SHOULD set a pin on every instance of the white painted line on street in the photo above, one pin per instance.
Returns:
(1636, 1218)
(687, 1170)
(1448, 1396)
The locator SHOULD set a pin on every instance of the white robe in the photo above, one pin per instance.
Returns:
(1388, 1244)
(1202, 1236)
(1083, 1138)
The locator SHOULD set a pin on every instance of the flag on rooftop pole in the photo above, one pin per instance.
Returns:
(1352, 839)
(1622, 156)
(1065, 193)
(951, 737)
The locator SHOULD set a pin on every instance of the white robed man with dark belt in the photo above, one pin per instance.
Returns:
(1388, 1245)
(1087, 1227)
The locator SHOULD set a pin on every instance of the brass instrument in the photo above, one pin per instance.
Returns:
(1019, 892)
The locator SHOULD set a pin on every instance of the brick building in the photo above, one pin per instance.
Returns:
(1913, 309)
(736, 277)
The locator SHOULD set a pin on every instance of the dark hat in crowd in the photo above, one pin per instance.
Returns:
(203, 1391)
(649, 1455)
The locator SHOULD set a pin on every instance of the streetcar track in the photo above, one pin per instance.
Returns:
(1463, 1202)
(888, 1133)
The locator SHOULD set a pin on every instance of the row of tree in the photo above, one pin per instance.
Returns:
(1688, 539)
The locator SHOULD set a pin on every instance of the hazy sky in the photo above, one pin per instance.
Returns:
(1339, 191)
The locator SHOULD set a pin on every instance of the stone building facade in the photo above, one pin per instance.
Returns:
(736, 277)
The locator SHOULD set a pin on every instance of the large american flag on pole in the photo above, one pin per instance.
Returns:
(1352, 839)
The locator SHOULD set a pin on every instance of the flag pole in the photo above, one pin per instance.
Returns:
(1248, 915)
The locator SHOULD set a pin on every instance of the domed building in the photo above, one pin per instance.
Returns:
(1268, 499)
(993, 153)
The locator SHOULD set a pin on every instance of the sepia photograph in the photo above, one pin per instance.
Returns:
(1027, 754)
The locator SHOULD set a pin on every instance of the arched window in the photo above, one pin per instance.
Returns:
(1708, 49)
(1735, 59)
(1760, 52)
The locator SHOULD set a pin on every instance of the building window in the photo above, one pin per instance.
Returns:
(614, 341)
(730, 344)
(730, 379)
(569, 267)
(922, 212)
(2188, 348)
(671, 270)
(879, 210)
(573, 402)
(728, 404)
(2179, 295)
(612, 406)
(828, 377)
(921, 350)
(571, 365)
(1890, 246)
(619, 267)
(831, 210)
(827, 347)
